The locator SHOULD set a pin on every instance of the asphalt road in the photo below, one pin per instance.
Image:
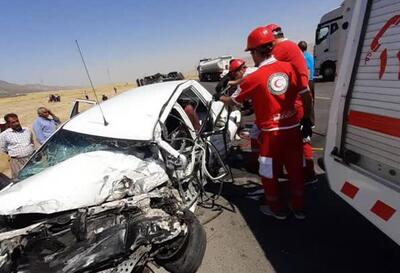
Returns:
(334, 237)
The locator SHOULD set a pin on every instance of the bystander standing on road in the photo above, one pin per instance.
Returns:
(287, 51)
(44, 126)
(17, 142)
(273, 89)
(310, 65)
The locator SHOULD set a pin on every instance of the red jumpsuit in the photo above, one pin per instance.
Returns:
(273, 89)
(288, 51)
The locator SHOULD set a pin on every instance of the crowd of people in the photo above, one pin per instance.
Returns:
(18, 142)
(281, 90)
(54, 98)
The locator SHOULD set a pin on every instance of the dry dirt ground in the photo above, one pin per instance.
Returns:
(25, 106)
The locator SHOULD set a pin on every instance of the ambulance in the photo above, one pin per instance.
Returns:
(362, 156)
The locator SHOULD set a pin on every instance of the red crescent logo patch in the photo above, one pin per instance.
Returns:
(278, 83)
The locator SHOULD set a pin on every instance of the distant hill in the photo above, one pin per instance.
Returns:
(12, 89)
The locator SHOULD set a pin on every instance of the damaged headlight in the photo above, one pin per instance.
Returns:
(122, 188)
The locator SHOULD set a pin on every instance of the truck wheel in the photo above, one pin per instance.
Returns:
(328, 72)
(190, 255)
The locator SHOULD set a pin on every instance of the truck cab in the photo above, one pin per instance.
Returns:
(362, 151)
(213, 69)
(329, 32)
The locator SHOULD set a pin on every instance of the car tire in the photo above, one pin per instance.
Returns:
(189, 257)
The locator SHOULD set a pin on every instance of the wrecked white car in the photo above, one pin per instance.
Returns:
(112, 192)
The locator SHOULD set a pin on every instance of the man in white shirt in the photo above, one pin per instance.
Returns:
(17, 142)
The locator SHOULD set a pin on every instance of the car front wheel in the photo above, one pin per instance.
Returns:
(188, 257)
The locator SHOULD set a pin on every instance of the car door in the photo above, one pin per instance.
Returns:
(222, 117)
(216, 123)
(81, 105)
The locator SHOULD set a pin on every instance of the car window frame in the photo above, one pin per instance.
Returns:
(318, 39)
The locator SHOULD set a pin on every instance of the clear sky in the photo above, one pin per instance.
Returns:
(131, 38)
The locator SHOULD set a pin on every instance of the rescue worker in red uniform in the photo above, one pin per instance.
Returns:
(273, 89)
(237, 66)
(237, 71)
(287, 51)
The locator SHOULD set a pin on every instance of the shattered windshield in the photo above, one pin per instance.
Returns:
(66, 144)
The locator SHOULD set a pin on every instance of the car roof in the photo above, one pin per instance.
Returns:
(130, 115)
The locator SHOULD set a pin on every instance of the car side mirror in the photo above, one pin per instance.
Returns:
(4, 181)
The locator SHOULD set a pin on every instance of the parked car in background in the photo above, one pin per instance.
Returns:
(158, 77)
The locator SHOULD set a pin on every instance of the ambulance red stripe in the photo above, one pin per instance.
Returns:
(383, 124)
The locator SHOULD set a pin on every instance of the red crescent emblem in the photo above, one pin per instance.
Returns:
(278, 83)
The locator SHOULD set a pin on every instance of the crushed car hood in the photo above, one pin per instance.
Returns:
(84, 180)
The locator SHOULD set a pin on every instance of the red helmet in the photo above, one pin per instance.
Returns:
(273, 27)
(235, 64)
(258, 37)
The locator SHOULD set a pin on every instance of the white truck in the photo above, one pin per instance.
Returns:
(362, 156)
(213, 69)
(329, 32)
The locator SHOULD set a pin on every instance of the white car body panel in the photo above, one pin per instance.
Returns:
(84, 180)
(142, 105)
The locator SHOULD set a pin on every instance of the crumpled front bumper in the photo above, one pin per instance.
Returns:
(92, 238)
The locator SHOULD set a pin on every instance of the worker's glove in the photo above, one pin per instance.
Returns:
(217, 96)
(306, 127)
